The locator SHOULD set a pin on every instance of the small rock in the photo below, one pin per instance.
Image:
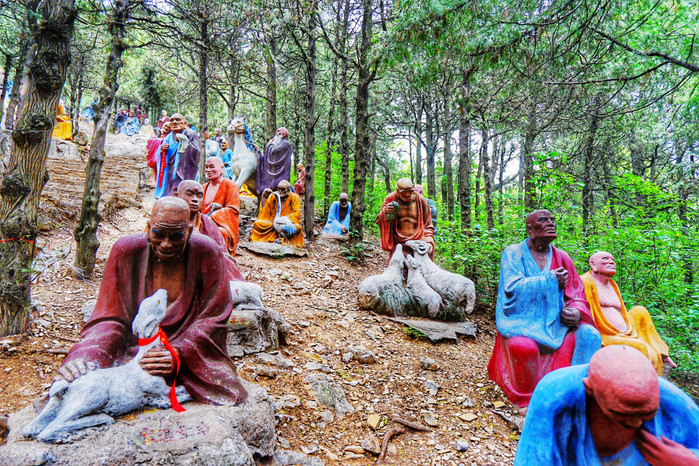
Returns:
(462, 445)
(374, 420)
(283, 442)
(468, 403)
(366, 358)
(498, 404)
(314, 366)
(303, 323)
(391, 450)
(432, 387)
(327, 416)
(356, 449)
(430, 420)
(429, 364)
(286, 401)
(375, 332)
(440, 447)
(8, 369)
(268, 371)
(309, 450)
(347, 357)
(468, 417)
(372, 445)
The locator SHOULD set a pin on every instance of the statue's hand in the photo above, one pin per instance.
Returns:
(266, 192)
(74, 369)
(214, 207)
(158, 361)
(669, 360)
(166, 145)
(344, 229)
(389, 208)
(664, 452)
(561, 275)
(570, 317)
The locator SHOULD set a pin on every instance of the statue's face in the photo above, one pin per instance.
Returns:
(192, 193)
(344, 199)
(168, 232)
(623, 407)
(603, 262)
(213, 168)
(284, 191)
(541, 224)
(178, 124)
(406, 194)
(167, 129)
(224, 145)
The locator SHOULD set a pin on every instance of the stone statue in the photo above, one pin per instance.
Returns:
(179, 158)
(280, 218)
(222, 202)
(429, 291)
(300, 185)
(244, 160)
(617, 325)
(613, 411)
(405, 216)
(212, 148)
(92, 399)
(275, 165)
(191, 267)
(337, 225)
(542, 316)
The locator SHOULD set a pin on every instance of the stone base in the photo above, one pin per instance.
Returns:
(436, 331)
(273, 249)
(255, 331)
(204, 434)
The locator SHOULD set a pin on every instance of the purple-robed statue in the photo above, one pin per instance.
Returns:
(275, 165)
(180, 162)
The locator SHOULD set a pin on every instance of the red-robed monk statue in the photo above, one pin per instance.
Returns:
(405, 216)
(222, 202)
(543, 319)
(191, 268)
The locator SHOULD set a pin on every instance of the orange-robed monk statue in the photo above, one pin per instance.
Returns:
(405, 216)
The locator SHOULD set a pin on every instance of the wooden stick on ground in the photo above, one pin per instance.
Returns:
(387, 438)
(412, 425)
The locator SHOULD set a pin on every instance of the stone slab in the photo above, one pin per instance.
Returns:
(273, 249)
(436, 331)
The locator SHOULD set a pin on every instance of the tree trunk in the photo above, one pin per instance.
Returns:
(501, 182)
(528, 161)
(309, 140)
(86, 231)
(329, 142)
(588, 155)
(271, 97)
(20, 73)
(5, 80)
(487, 179)
(75, 113)
(361, 146)
(465, 155)
(418, 150)
(344, 65)
(203, 86)
(431, 136)
(448, 172)
(26, 172)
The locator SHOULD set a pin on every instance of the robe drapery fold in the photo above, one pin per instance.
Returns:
(63, 128)
(531, 339)
(207, 227)
(274, 166)
(153, 146)
(263, 228)
(163, 165)
(131, 126)
(300, 185)
(389, 233)
(334, 225)
(195, 324)
(227, 218)
(640, 331)
(556, 430)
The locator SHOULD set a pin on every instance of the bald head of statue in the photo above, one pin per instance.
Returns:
(169, 229)
(405, 189)
(284, 188)
(541, 224)
(344, 199)
(193, 194)
(624, 385)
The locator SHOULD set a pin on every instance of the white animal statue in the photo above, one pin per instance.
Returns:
(244, 161)
(92, 399)
(212, 148)
(456, 290)
(246, 295)
(418, 287)
(386, 292)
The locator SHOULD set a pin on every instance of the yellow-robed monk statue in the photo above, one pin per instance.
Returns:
(617, 325)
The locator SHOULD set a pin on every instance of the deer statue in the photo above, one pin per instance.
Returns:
(244, 160)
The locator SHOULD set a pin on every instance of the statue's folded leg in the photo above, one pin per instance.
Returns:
(587, 341)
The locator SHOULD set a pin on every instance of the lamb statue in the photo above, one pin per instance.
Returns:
(94, 398)
(427, 291)
(244, 160)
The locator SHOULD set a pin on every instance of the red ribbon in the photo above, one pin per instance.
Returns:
(17, 238)
(163, 338)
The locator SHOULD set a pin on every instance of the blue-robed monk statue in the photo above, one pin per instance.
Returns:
(338, 218)
(613, 411)
(178, 157)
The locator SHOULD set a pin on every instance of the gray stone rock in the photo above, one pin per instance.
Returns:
(432, 387)
(158, 437)
(436, 331)
(81, 139)
(255, 331)
(329, 393)
(461, 445)
(429, 364)
(288, 458)
(87, 309)
(273, 249)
